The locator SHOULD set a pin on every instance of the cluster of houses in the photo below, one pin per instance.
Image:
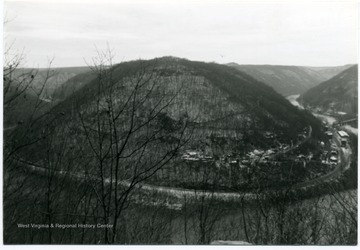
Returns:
(196, 155)
(341, 135)
(250, 158)
(236, 164)
(254, 156)
(241, 163)
(330, 157)
(258, 155)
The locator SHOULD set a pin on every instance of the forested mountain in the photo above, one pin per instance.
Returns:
(214, 105)
(339, 94)
(213, 99)
(289, 80)
(207, 93)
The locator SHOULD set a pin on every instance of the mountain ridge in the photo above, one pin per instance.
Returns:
(238, 91)
(288, 80)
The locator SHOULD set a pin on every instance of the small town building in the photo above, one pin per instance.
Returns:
(343, 134)
(333, 158)
(343, 138)
(334, 152)
(329, 134)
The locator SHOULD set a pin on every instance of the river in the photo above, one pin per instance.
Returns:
(293, 100)
(329, 119)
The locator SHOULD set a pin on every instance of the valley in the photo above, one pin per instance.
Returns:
(167, 151)
(180, 123)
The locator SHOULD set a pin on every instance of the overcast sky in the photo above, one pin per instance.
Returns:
(322, 34)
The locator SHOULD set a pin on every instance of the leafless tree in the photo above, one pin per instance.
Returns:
(129, 134)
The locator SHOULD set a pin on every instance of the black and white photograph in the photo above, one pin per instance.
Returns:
(180, 122)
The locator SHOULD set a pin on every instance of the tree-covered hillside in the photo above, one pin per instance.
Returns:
(339, 94)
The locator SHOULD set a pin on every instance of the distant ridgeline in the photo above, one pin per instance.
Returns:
(35, 89)
(290, 80)
(51, 79)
